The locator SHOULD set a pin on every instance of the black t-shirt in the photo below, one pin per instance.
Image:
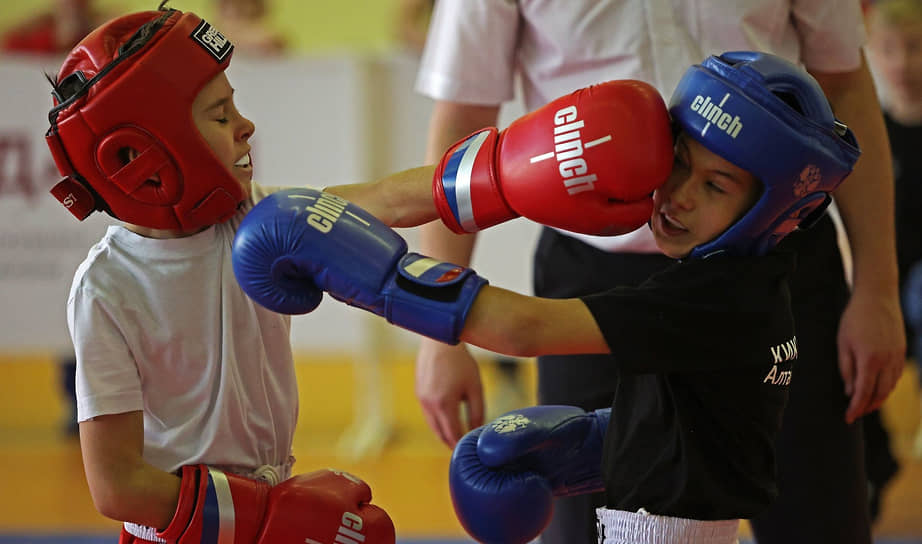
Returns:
(704, 352)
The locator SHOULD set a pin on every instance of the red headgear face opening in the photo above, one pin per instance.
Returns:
(131, 84)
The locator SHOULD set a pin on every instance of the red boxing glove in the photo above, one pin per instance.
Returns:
(587, 162)
(322, 506)
(325, 506)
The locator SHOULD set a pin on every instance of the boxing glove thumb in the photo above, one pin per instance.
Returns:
(497, 505)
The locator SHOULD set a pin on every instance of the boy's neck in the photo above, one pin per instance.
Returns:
(161, 234)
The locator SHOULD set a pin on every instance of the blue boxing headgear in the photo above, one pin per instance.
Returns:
(771, 118)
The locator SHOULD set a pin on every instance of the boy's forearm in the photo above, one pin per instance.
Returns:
(490, 323)
(146, 496)
(525, 326)
(124, 486)
(155, 498)
(437, 241)
(403, 199)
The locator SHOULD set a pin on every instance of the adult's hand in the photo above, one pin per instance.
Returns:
(872, 346)
(447, 377)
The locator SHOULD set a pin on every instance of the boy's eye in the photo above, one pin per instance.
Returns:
(222, 120)
(715, 187)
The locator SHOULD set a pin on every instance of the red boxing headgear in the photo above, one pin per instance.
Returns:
(130, 84)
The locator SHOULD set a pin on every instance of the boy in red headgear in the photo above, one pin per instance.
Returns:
(187, 395)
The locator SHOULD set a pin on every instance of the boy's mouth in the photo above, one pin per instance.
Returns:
(243, 162)
(671, 226)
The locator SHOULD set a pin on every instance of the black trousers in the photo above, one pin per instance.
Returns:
(821, 478)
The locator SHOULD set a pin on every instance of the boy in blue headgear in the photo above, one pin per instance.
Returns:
(706, 347)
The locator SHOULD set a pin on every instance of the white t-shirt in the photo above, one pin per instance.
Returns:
(162, 326)
(475, 48)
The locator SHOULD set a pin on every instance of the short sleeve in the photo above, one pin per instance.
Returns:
(470, 52)
(107, 380)
(831, 34)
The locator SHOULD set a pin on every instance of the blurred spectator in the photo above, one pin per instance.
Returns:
(895, 56)
(246, 23)
(56, 30)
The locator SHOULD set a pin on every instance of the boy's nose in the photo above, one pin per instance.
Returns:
(681, 194)
(246, 129)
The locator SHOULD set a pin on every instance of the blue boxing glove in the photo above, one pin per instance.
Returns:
(297, 243)
(504, 475)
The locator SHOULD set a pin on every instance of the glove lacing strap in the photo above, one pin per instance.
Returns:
(271, 474)
(268, 474)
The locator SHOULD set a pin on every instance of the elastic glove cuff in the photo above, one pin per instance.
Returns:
(431, 297)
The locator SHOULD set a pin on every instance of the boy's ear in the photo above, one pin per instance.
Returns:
(128, 154)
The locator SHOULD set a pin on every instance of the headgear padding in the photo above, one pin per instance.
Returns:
(130, 84)
(771, 118)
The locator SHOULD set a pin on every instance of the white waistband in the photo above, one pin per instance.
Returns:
(620, 527)
(271, 474)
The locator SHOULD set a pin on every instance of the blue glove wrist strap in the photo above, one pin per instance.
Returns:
(431, 297)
